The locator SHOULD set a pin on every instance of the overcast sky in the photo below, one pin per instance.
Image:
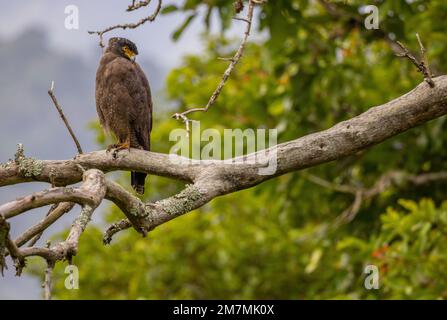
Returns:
(153, 39)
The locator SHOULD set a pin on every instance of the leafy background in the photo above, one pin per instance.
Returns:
(307, 70)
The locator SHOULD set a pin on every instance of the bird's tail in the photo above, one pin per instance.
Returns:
(137, 180)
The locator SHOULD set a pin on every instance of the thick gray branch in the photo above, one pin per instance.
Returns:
(210, 179)
(85, 195)
(52, 217)
(379, 123)
(94, 183)
(92, 191)
(146, 216)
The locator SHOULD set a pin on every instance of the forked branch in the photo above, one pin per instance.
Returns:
(233, 62)
(64, 119)
(135, 25)
(208, 179)
(421, 65)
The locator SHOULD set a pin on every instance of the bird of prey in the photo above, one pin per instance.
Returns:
(123, 101)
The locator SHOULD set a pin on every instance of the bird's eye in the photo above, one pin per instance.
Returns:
(128, 53)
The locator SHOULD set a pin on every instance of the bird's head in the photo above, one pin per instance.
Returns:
(123, 47)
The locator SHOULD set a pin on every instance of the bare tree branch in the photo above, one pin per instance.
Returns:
(351, 212)
(90, 194)
(144, 217)
(115, 228)
(420, 105)
(46, 197)
(384, 182)
(47, 284)
(16, 255)
(35, 232)
(7, 243)
(209, 179)
(422, 65)
(135, 6)
(61, 113)
(330, 185)
(66, 172)
(233, 62)
(125, 26)
(4, 238)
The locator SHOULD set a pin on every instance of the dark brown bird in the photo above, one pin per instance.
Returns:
(123, 100)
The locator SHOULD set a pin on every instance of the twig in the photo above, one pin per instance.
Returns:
(114, 229)
(422, 65)
(4, 234)
(47, 284)
(351, 212)
(387, 180)
(7, 243)
(242, 19)
(35, 232)
(31, 232)
(226, 59)
(424, 61)
(16, 255)
(93, 183)
(61, 113)
(428, 177)
(233, 62)
(127, 25)
(139, 5)
(330, 185)
(92, 190)
(185, 120)
(44, 198)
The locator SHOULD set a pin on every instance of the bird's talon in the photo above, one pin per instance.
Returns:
(118, 147)
(110, 148)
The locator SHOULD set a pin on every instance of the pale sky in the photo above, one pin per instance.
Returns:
(153, 39)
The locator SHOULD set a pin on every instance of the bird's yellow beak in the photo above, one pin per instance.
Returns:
(129, 53)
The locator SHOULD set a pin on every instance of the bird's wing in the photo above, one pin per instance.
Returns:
(148, 93)
(140, 114)
(132, 92)
(102, 96)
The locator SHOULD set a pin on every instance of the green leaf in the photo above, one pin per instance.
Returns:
(169, 9)
(177, 33)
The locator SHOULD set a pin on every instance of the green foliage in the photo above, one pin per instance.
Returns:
(414, 263)
(409, 251)
(278, 240)
(233, 255)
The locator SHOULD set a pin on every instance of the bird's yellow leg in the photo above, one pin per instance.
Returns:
(111, 147)
(122, 146)
(118, 147)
